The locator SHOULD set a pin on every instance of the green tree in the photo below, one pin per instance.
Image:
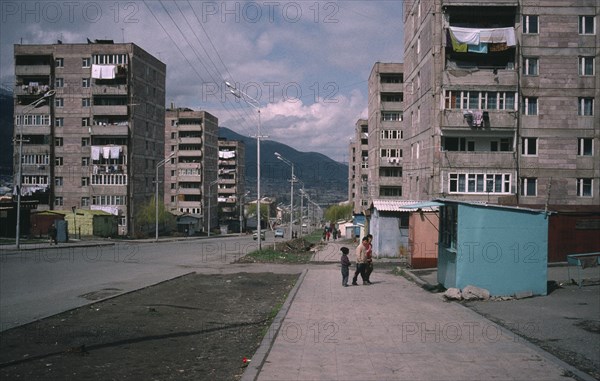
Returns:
(338, 212)
(145, 221)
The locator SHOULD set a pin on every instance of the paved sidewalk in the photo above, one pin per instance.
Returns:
(394, 330)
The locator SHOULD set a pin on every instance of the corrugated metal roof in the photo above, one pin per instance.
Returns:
(390, 205)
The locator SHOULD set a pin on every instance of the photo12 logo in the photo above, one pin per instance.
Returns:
(69, 11)
(271, 92)
(269, 11)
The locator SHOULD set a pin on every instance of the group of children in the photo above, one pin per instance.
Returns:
(364, 262)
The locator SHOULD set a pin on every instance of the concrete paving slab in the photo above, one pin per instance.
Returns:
(393, 330)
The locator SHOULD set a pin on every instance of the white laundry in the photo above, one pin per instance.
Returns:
(106, 152)
(95, 153)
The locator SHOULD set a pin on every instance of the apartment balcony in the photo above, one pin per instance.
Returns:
(195, 140)
(109, 129)
(227, 191)
(501, 79)
(196, 191)
(392, 106)
(481, 159)
(33, 130)
(110, 110)
(390, 162)
(189, 153)
(189, 205)
(102, 89)
(227, 181)
(391, 87)
(31, 70)
(230, 163)
(189, 127)
(495, 120)
(43, 109)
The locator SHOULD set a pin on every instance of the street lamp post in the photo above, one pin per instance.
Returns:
(278, 155)
(156, 181)
(19, 182)
(241, 210)
(209, 199)
(256, 105)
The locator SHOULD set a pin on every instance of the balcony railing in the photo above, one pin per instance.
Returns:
(458, 159)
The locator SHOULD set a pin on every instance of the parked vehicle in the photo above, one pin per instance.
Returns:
(279, 233)
(262, 235)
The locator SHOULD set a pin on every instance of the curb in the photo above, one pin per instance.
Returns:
(258, 359)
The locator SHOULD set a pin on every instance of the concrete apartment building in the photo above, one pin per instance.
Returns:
(95, 144)
(191, 173)
(386, 97)
(501, 101)
(358, 168)
(231, 182)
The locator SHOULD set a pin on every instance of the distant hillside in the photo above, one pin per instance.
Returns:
(6, 125)
(325, 180)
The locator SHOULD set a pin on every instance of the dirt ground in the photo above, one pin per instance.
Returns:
(191, 328)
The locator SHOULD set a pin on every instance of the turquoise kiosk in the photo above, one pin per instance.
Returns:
(500, 248)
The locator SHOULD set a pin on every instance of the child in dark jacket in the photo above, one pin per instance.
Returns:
(345, 266)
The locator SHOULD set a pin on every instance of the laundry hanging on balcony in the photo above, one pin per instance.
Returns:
(104, 71)
(476, 40)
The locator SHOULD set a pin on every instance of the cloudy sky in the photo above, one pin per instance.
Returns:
(305, 62)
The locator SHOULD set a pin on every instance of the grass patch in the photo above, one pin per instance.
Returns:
(275, 256)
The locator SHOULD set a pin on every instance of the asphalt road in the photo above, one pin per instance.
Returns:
(38, 283)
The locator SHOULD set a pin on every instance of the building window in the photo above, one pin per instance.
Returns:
(391, 97)
(58, 142)
(390, 172)
(391, 116)
(587, 25)
(59, 62)
(479, 183)
(391, 134)
(85, 122)
(486, 100)
(172, 198)
(457, 144)
(585, 147)
(58, 201)
(503, 145)
(85, 142)
(85, 102)
(586, 65)
(59, 82)
(586, 107)
(85, 181)
(58, 181)
(86, 62)
(85, 82)
(584, 187)
(390, 191)
(530, 106)
(85, 201)
(530, 24)
(85, 161)
(528, 186)
(530, 66)
(529, 146)
(58, 161)
(59, 102)
(59, 122)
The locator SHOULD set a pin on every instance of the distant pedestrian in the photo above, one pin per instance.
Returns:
(52, 234)
(361, 262)
(345, 261)
(335, 234)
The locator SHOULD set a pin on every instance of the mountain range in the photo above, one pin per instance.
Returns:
(325, 180)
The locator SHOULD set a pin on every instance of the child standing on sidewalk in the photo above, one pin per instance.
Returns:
(345, 266)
